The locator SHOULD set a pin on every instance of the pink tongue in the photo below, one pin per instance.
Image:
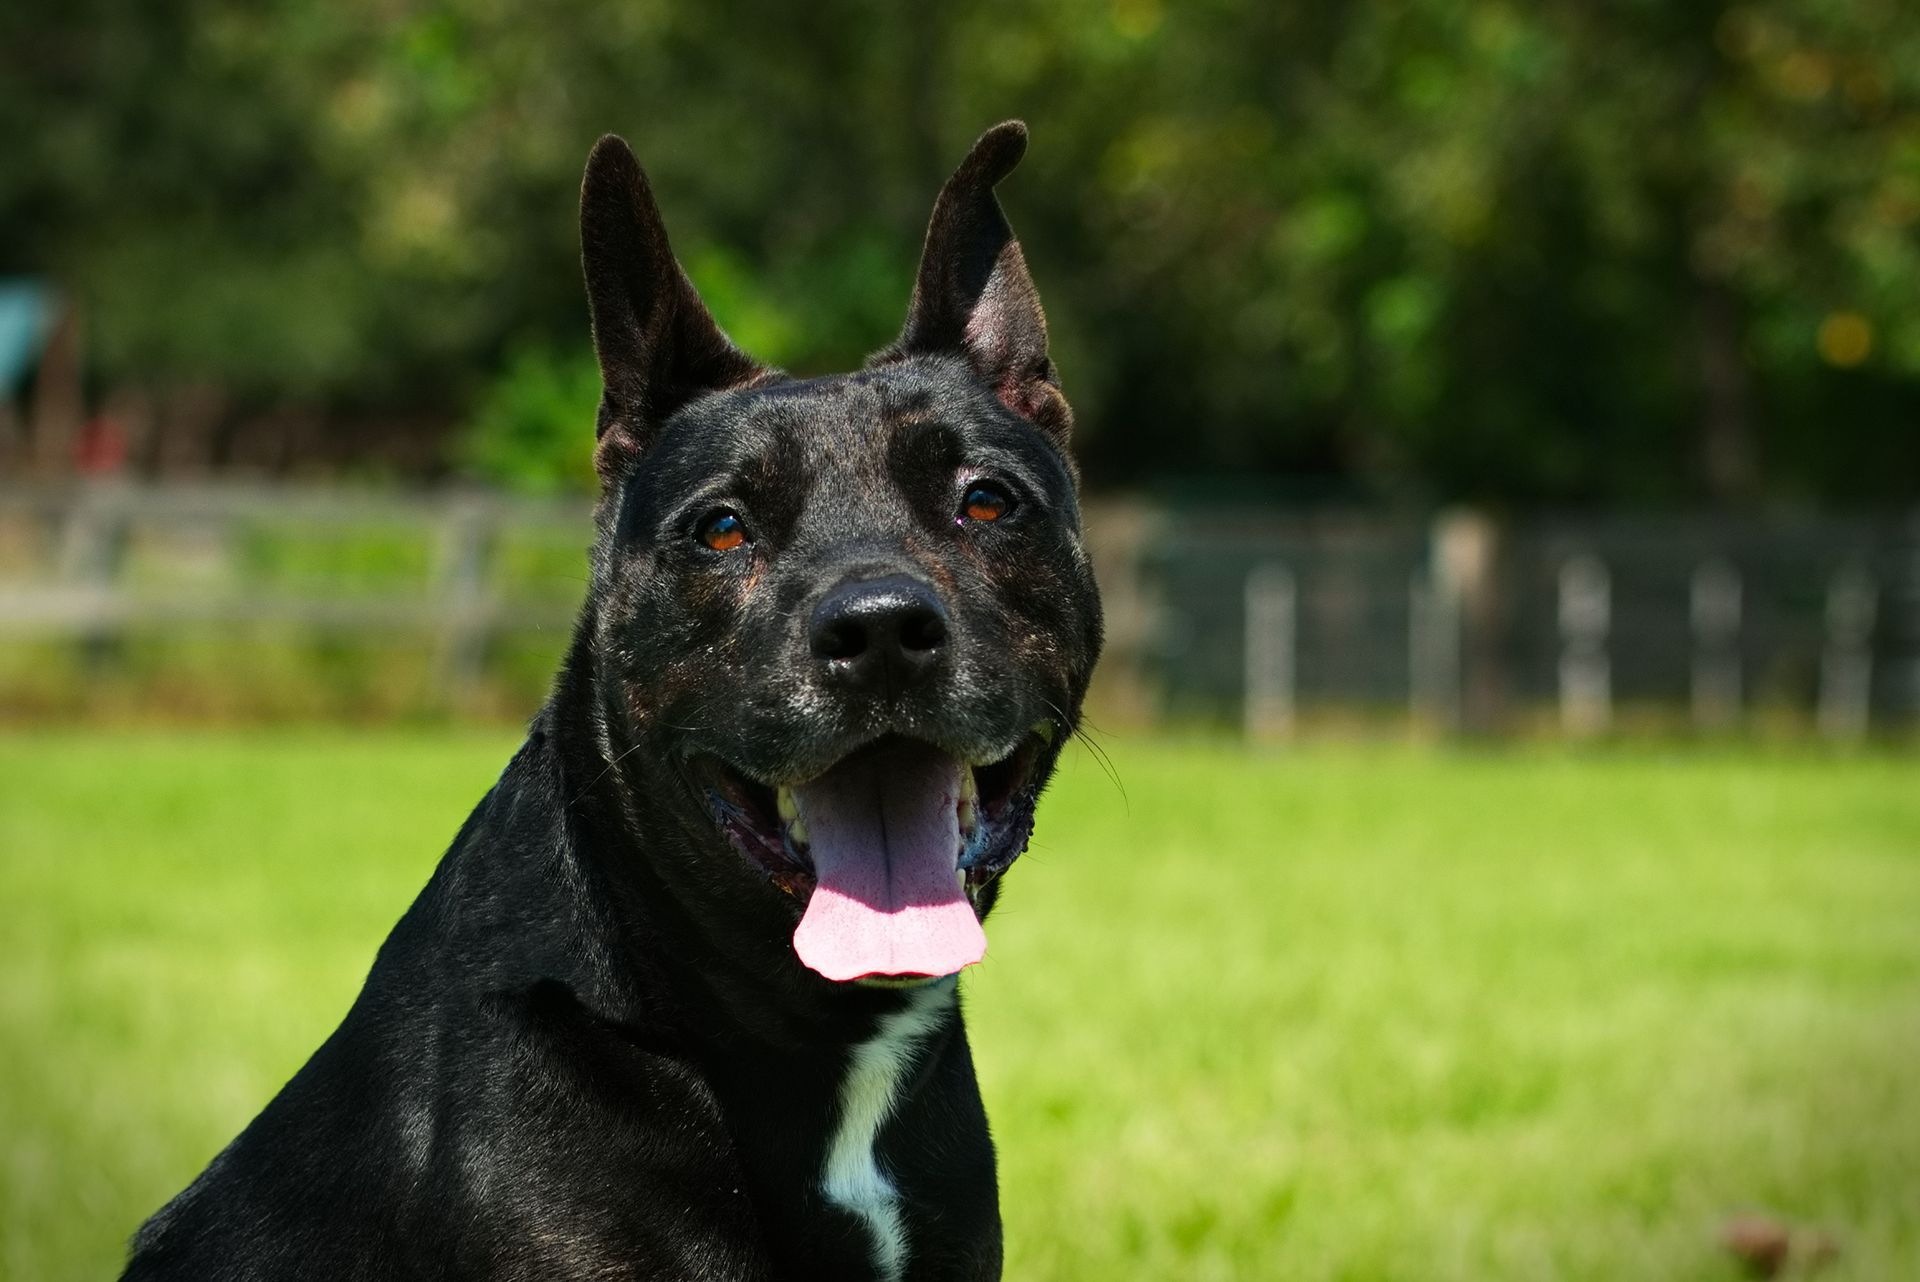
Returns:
(885, 843)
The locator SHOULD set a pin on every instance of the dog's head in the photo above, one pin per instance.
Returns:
(851, 614)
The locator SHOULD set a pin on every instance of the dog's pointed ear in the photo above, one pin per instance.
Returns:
(657, 344)
(973, 294)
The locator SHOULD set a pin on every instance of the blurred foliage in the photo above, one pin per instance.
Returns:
(1516, 253)
(532, 429)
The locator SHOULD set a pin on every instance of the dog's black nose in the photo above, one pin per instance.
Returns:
(881, 633)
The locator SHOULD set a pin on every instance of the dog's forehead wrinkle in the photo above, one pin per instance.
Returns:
(850, 498)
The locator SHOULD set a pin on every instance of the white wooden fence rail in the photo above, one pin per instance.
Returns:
(67, 575)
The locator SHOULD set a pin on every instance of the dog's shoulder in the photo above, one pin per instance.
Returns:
(491, 1106)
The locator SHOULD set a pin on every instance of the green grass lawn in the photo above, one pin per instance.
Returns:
(1353, 1013)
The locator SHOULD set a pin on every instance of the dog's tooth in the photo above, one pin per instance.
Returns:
(967, 808)
(797, 831)
(789, 808)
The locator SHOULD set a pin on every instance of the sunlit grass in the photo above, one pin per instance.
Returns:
(1336, 1014)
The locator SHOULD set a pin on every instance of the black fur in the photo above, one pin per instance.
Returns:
(588, 1049)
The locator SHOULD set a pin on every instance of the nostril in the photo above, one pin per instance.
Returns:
(922, 630)
(841, 638)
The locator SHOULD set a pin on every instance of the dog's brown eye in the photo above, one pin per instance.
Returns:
(985, 503)
(723, 531)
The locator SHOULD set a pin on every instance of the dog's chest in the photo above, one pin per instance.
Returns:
(852, 1176)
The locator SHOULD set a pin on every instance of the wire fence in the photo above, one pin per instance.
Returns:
(1584, 625)
(1280, 621)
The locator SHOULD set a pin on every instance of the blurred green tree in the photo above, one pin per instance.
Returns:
(526, 431)
(1487, 250)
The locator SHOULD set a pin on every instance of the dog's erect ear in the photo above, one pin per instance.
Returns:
(658, 346)
(973, 294)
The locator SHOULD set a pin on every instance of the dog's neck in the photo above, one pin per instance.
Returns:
(820, 1081)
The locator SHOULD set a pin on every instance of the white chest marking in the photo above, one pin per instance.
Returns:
(852, 1178)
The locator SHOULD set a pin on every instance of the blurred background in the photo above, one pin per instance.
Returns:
(1501, 429)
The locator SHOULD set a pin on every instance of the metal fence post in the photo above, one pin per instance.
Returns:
(1271, 634)
(1846, 662)
(1903, 614)
(1715, 613)
(1586, 679)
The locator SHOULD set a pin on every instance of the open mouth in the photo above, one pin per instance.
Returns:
(889, 849)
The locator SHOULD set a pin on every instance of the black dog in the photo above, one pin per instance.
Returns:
(679, 1002)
